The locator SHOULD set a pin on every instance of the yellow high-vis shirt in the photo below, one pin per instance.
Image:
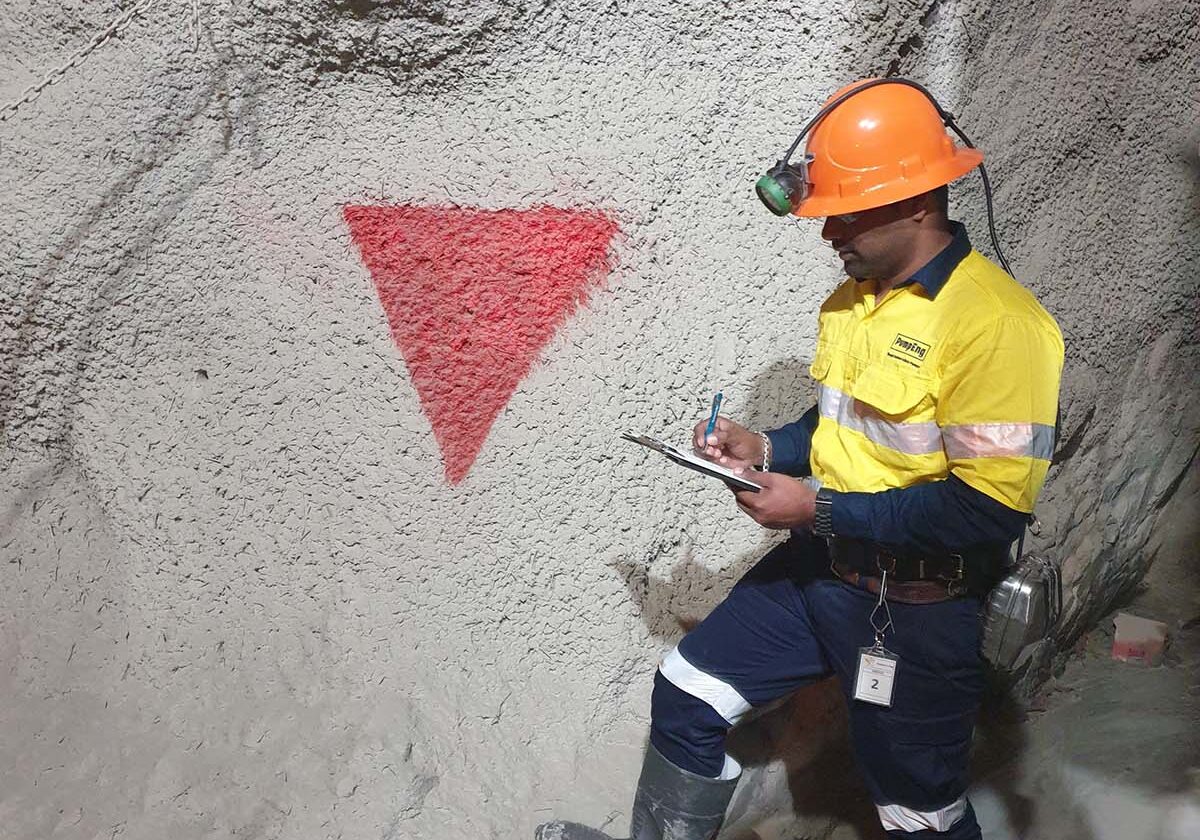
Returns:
(935, 380)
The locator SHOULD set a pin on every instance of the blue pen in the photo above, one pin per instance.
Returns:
(712, 420)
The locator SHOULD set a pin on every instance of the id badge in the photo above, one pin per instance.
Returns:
(875, 678)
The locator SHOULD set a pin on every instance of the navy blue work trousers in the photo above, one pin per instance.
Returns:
(789, 622)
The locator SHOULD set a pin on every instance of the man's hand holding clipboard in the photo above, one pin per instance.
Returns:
(720, 451)
(696, 463)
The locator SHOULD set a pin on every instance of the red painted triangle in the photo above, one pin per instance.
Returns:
(471, 297)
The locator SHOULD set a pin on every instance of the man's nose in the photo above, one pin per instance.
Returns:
(830, 228)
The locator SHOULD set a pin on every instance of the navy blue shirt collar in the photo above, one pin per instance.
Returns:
(934, 274)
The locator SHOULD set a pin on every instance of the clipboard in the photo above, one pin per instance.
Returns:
(694, 462)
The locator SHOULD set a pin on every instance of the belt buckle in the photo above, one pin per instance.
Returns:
(959, 572)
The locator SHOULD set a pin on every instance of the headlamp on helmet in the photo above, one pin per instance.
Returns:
(784, 186)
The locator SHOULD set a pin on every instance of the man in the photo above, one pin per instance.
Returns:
(937, 379)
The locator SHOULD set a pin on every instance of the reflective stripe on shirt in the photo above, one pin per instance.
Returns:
(999, 440)
(909, 438)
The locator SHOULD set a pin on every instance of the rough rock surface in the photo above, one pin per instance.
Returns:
(240, 598)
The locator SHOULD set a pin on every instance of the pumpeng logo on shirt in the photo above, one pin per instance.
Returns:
(908, 349)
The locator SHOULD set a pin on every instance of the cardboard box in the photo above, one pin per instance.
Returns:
(1139, 639)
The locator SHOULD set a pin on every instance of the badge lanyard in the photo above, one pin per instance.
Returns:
(875, 678)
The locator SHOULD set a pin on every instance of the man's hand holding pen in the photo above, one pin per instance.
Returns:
(783, 502)
(728, 444)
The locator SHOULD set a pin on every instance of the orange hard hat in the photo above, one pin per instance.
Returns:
(883, 144)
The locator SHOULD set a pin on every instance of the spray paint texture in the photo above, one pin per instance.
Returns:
(471, 297)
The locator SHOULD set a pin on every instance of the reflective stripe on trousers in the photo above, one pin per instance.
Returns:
(723, 697)
(899, 818)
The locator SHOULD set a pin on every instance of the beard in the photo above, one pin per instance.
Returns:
(855, 268)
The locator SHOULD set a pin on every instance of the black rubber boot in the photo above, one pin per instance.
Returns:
(670, 804)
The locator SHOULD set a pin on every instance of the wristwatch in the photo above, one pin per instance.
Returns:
(823, 514)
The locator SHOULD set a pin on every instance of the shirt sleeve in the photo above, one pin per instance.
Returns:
(997, 405)
(937, 517)
(791, 445)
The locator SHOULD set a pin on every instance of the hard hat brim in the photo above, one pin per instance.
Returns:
(939, 174)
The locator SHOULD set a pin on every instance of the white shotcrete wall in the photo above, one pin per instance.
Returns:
(240, 597)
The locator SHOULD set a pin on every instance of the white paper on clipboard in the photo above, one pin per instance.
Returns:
(695, 462)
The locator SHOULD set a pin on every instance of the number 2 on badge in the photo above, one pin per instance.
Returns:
(875, 678)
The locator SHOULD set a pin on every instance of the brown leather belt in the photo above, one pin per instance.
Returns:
(910, 579)
(872, 558)
(904, 591)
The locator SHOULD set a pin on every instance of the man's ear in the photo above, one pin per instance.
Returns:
(922, 206)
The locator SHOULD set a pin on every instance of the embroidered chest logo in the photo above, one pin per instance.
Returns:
(909, 350)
